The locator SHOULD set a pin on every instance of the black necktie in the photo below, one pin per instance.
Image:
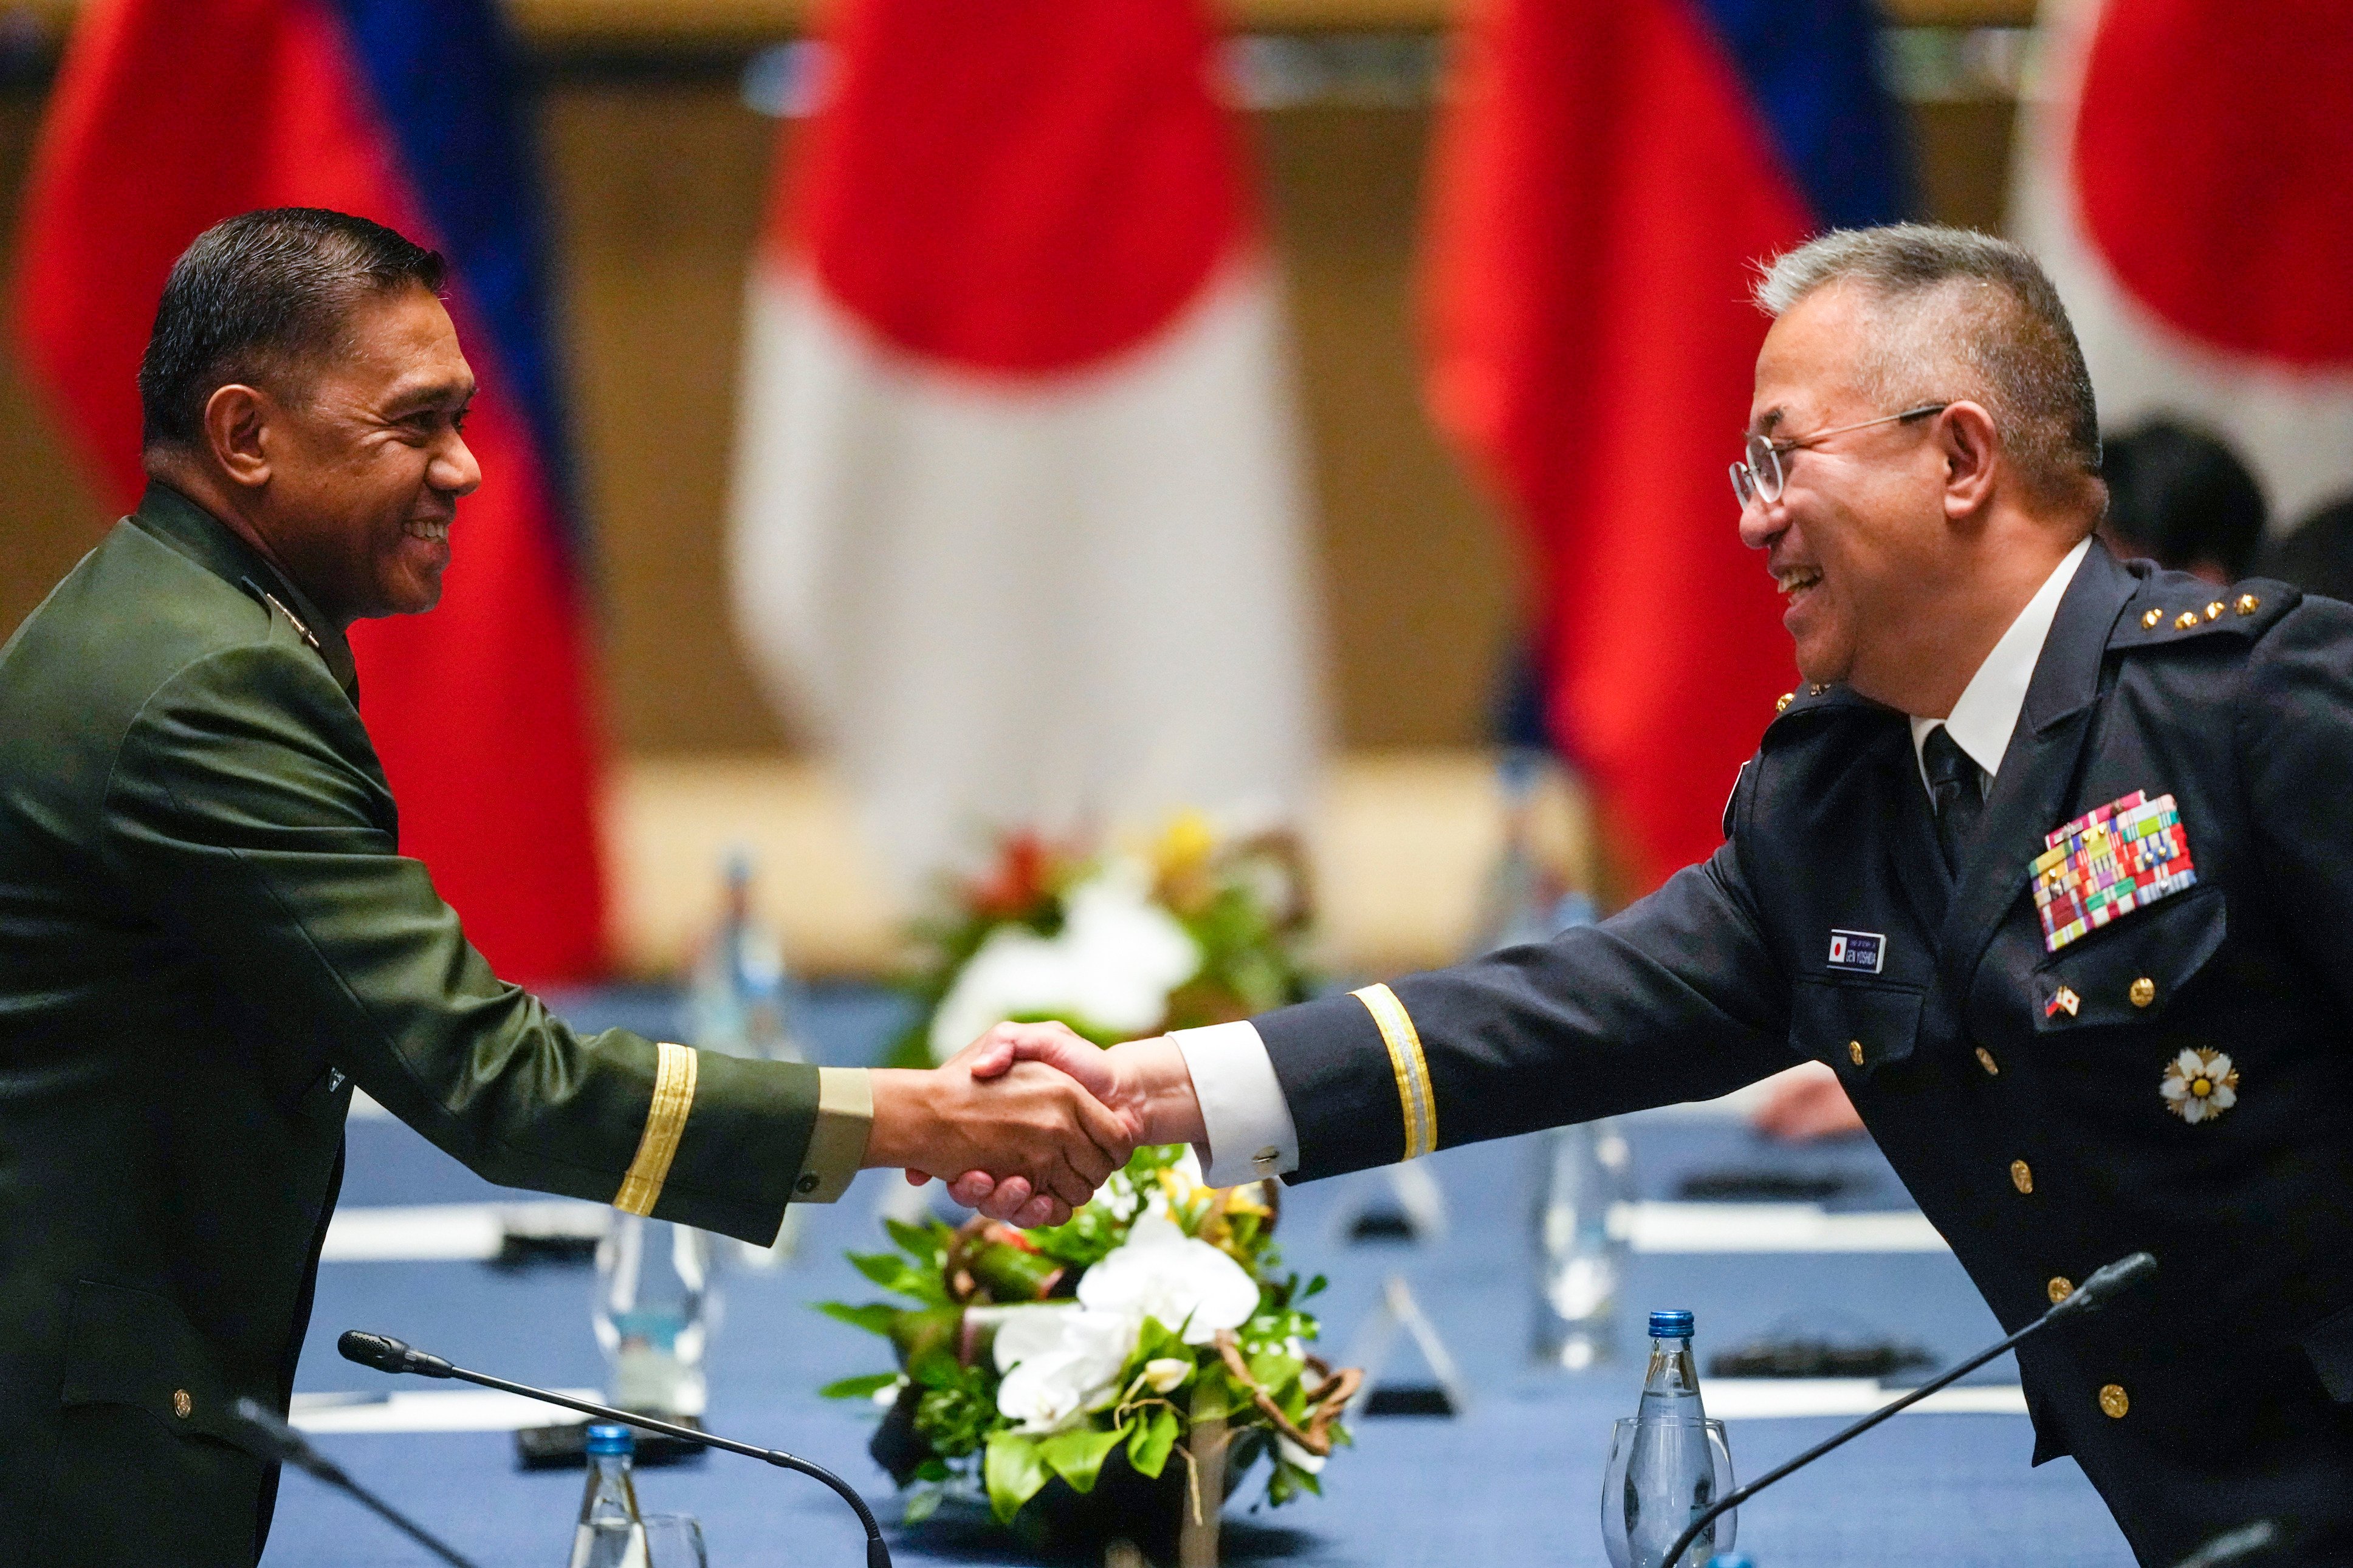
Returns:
(1956, 786)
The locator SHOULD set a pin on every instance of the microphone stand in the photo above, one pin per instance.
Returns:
(296, 1450)
(2089, 1297)
(387, 1354)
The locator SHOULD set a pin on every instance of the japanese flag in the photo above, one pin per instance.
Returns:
(1018, 510)
(2184, 171)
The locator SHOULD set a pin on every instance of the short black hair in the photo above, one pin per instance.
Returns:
(258, 297)
(1998, 332)
(2181, 496)
(2316, 555)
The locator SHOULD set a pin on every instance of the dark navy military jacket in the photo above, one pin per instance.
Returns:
(2019, 1091)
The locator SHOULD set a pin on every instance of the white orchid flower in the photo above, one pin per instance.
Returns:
(1292, 1453)
(1114, 962)
(1163, 1373)
(1179, 1281)
(1058, 1362)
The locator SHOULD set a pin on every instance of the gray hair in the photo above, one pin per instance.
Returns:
(1963, 315)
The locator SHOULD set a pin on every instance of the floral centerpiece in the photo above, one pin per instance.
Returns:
(1031, 1358)
(1156, 1329)
(1196, 929)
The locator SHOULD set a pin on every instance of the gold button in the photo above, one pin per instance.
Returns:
(2115, 1401)
(2151, 618)
(2248, 604)
(2214, 611)
(183, 1406)
(1782, 703)
(2021, 1175)
(2185, 620)
(1854, 1052)
(2143, 992)
(1816, 690)
(1985, 1060)
(2060, 1289)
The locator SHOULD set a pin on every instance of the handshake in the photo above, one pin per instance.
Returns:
(1028, 1121)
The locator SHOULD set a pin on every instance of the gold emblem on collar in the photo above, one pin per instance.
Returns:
(2200, 1085)
(295, 620)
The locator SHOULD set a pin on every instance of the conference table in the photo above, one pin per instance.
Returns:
(1513, 1477)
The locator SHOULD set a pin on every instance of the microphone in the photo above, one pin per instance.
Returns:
(2105, 1284)
(295, 1449)
(386, 1353)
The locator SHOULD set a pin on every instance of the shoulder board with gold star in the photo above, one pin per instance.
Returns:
(1808, 699)
(2172, 608)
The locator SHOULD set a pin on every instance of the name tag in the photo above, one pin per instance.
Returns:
(1862, 952)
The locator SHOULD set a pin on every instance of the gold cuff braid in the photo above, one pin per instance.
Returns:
(1415, 1096)
(665, 1122)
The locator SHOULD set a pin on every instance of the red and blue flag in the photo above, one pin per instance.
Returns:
(169, 115)
(1609, 176)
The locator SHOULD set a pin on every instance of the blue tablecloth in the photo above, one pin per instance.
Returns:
(1514, 1479)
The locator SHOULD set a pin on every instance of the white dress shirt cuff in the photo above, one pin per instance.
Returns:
(1251, 1135)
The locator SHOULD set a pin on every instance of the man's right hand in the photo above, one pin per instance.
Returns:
(1143, 1083)
(1032, 1128)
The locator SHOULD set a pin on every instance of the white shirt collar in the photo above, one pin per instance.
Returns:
(1988, 710)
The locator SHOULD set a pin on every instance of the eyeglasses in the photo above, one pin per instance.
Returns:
(1760, 479)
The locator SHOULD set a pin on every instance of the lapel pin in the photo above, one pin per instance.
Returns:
(2199, 1084)
(2063, 1000)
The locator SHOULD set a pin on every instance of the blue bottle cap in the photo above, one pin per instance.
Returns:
(1671, 1325)
(611, 1438)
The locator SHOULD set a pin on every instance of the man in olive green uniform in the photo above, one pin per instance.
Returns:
(208, 936)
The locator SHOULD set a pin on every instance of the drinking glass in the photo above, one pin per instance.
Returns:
(674, 1541)
(1718, 1535)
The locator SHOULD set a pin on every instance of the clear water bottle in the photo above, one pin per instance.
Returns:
(1667, 1465)
(742, 1003)
(611, 1532)
(1587, 1173)
(1521, 899)
(743, 997)
(657, 1305)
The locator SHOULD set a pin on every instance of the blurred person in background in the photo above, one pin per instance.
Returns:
(2181, 497)
(2316, 555)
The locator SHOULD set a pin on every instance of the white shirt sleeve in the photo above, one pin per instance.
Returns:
(1251, 1135)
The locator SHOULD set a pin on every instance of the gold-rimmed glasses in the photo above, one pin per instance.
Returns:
(1759, 480)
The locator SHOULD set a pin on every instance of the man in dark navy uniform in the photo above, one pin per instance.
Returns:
(2046, 858)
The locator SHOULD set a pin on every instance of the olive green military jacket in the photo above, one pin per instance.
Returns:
(208, 938)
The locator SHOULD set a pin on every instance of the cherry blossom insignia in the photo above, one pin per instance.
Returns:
(2199, 1084)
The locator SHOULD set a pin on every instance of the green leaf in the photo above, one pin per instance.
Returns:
(1314, 1287)
(921, 1242)
(933, 1469)
(865, 1387)
(922, 1503)
(935, 1366)
(1148, 1446)
(1014, 1470)
(887, 1269)
(875, 1317)
(1077, 1454)
(1157, 1342)
(1273, 1369)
